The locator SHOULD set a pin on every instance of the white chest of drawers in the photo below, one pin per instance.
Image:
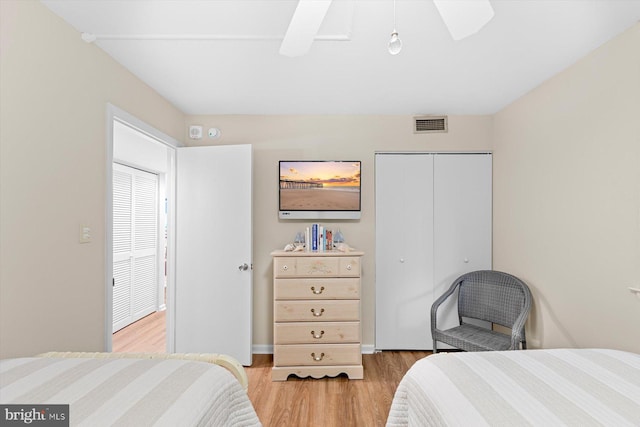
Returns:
(316, 311)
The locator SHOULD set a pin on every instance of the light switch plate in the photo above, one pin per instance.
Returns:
(85, 234)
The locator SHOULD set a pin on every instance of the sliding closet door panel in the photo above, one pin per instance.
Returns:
(122, 240)
(462, 221)
(135, 237)
(144, 296)
(404, 250)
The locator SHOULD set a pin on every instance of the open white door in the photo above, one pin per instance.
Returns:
(214, 283)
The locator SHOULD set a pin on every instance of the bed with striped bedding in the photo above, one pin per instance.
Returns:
(573, 387)
(130, 391)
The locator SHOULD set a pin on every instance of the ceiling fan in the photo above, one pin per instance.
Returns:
(461, 17)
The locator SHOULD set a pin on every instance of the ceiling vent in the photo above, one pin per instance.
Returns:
(430, 124)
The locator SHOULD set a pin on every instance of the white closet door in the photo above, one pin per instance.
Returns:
(462, 222)
(135, 242)
(433, 223)
(122, 196)
(462, 216)
(145, 249)
(404, 250)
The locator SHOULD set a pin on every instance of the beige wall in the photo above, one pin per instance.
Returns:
(54, 90)
(326, 137)
(567, 199)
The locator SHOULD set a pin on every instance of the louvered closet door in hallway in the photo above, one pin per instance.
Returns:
(135, 243)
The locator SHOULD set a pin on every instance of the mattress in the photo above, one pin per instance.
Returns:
(129, 391)
(573, 387)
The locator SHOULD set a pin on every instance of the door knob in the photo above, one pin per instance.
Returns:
(243, 267)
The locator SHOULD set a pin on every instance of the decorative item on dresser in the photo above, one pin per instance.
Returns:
(316, 312)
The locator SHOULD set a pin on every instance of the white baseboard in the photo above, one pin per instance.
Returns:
(368, 348)
(268, 349)
(262, 349)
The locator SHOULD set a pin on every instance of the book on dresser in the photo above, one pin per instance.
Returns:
(316, 311)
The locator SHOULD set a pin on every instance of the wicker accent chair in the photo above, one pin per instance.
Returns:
(488, 295)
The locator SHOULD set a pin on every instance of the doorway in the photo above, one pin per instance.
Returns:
(213, 311)
(138, 268)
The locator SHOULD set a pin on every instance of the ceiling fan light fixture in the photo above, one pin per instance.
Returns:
(395, 44)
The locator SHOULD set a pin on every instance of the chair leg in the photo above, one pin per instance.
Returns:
(435, 347)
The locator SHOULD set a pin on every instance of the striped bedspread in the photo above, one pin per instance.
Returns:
(129, 392)
(573, 387)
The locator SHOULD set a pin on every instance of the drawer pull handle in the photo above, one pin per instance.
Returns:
(349, 267)
(317, 314)
(317, 336)
(285, 267)
(313, 289)
(319, 358)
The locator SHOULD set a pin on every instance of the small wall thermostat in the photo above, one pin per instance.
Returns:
(214, 133)
(195, 132)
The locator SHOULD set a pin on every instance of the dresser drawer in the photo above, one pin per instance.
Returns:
(320, 288)
(316, 333)
(317, 266)
(308, 266)
(317, 355)
(349, 266)
(316, 311)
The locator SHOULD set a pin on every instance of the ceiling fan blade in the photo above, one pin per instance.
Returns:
(464, 17)
(304, 26)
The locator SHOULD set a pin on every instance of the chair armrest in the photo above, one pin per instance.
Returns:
(440, 300)
(517, 330)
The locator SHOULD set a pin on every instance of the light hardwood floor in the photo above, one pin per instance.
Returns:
(299, 402)
(147, 335)
(329, 402)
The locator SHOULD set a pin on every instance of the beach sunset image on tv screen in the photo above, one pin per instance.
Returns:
(319, 185)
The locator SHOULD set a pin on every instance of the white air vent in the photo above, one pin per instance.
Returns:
(430, 124)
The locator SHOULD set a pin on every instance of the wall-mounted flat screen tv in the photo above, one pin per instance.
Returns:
(319, 189)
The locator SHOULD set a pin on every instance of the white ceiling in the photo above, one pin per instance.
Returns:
(235, 67)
